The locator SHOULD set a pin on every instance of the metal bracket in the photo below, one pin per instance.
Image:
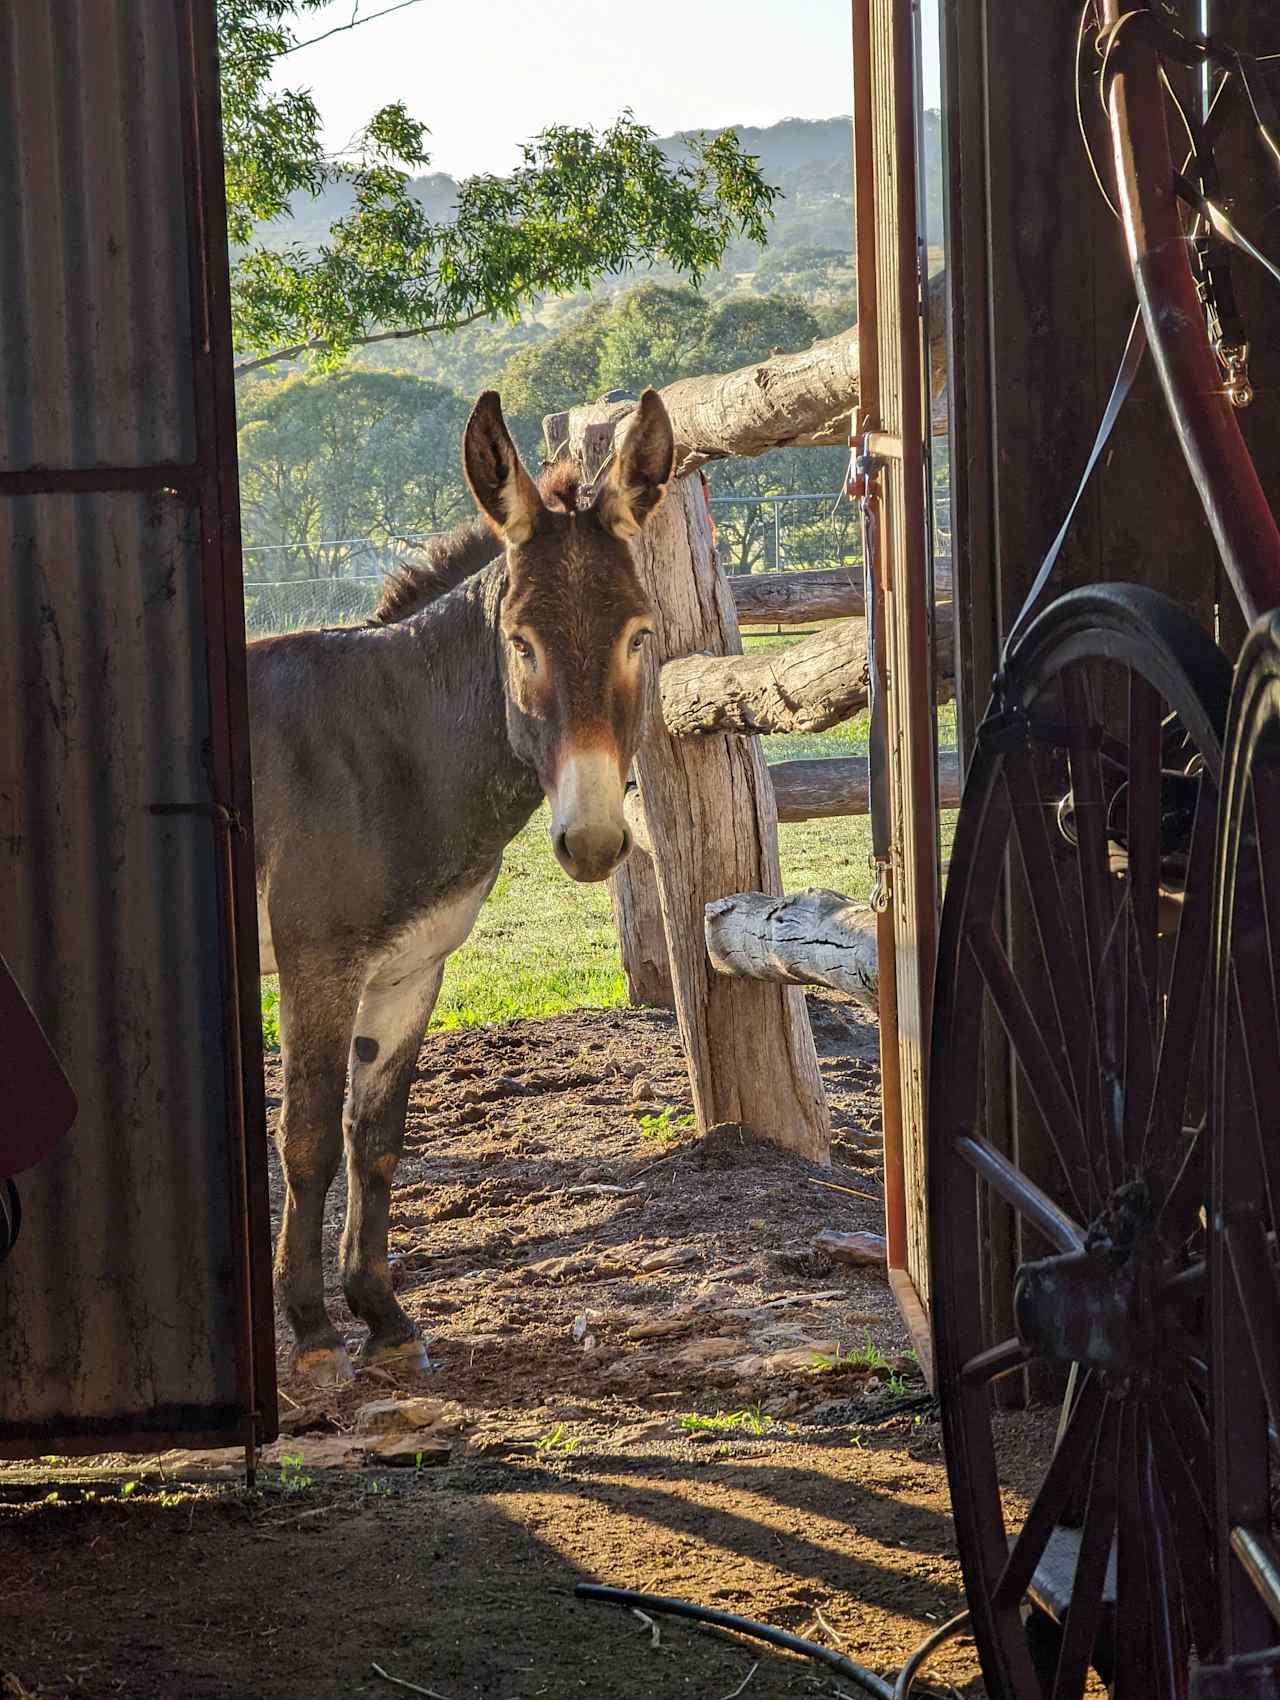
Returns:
(1234, 360)
(881, 884)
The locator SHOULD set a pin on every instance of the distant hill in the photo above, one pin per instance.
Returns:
(809, 253)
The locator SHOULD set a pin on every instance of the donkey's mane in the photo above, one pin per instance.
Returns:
(462, 552)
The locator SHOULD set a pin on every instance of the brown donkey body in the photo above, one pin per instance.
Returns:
(393, 763)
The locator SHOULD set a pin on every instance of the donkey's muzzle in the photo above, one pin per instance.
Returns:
(587, 853)
(588, 828)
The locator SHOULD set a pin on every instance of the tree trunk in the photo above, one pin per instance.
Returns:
(807, 687)
(637, 914)
(709, 807)
(789, 401)
(816, 938)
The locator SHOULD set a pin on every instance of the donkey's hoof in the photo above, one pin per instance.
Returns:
(404, 1357)
(325, 1366)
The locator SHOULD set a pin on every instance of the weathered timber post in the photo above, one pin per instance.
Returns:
(642, 939)
(710, 812)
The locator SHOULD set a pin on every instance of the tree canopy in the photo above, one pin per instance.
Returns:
(328, 461)
(579, 205)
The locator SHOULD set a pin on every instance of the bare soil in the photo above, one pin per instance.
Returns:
(590, 1277)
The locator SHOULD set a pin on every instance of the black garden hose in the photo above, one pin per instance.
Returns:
(867, 1680)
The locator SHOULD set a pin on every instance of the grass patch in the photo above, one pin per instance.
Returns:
(754, 1420)
(664, 1125)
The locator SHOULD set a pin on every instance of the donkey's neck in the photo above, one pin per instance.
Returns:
(384, 779)
(445, 701)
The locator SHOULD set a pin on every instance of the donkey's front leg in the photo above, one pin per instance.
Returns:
(317, 1006)
(393, 1015)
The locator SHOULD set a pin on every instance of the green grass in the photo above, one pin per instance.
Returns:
(754, 1420)
(543, 945)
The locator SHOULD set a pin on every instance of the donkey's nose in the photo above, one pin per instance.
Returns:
(591, 852)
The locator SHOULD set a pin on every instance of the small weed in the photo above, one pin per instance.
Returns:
(868, 1356)
(376, 1487)
(896, 1385)
(52, 1458)
(271, 1013)
(557, 1439)
(754, 1420)
(128, 1489)
(664, 1125)
(293, 1479)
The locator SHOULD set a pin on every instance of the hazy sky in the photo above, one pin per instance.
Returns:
(488, 74)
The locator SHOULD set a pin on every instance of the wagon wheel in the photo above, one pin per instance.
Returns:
(1077, 1258)
(1245, 1294)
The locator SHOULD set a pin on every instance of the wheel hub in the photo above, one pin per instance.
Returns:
(1099, 1307)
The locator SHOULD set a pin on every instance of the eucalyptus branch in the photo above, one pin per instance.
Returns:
(357, 341)
(355, 24)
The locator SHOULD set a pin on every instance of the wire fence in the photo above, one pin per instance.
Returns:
(337, 581)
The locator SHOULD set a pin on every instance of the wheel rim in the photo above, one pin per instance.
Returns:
(1245, 1291)
(1072, 983)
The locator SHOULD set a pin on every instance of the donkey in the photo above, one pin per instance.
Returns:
(393, 764)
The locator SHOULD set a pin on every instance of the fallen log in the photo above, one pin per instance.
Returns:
(796, 599)
(807, 687)
(813, 790)
(801, 400)
(815, 938)
(839, 785)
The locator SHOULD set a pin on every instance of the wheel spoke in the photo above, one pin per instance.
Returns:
(1168, 1635)
(1084, 1616)
(1142, 905)
(1065, 986)
(1192, 1529)
(1048, 1090)
(1255, 1278)
(1077, 1445)
(1133, 1595)
(996, 1361)
(1253, 959)
(1186, 997)
(1089, 815)
(1261, 1563)
(1005, 1178)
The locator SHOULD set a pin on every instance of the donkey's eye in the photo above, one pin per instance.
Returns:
(521, 645)
(639, 640)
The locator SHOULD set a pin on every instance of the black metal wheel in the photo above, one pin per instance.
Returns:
(1244, 1274)
(1068, 1258)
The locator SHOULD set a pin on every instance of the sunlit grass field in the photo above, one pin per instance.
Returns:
(544, 945)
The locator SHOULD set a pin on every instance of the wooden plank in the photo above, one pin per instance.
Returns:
(917, 1320)
(887, 223)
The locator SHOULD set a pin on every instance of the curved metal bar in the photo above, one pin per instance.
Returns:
(1235, 505)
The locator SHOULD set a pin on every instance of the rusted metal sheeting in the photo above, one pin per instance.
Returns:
(127, 1310)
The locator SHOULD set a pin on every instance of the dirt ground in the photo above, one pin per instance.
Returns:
(593, 1280)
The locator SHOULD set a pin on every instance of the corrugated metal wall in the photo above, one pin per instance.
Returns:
(131, 1305)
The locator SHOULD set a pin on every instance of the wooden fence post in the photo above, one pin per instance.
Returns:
(642, 940)
(710, 812)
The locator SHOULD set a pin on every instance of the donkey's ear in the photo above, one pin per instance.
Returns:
(503, 489)
(641, 470)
